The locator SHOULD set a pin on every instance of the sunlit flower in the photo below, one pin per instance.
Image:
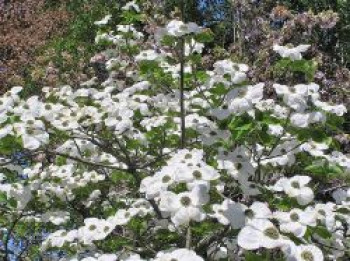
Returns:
(178, 254)
(295, 187)
(292, 53)
(261, 233)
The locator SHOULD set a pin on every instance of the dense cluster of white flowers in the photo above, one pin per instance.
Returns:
(112, 177)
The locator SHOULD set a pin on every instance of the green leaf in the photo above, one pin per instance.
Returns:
(323, 168)
(12, 202)
(241, 126)
(219, 89)
(322, 232)
(205, 36)
(202, 76)
(3, 197)
(10, 143)
(117, 176)
(250, 256)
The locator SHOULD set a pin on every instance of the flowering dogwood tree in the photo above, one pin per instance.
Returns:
(168, 160)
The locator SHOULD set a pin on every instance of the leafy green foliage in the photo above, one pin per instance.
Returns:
(307, 67)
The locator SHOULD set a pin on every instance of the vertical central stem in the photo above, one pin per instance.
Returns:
(182, 81)
(182, 96)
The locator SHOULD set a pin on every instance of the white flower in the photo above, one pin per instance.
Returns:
(104, 257)
(295, 221)
(222, 68)
(33, 133)
(187, 157)
(258, 210)
(134, 257)
(325, 213)
(283, 154)
(193, 47)
(304, 253)
(153, 186)
(94, 229)
(122, 216)
(237, 163)
(314, 148)
(337, 109)
(241, 99)
(260, 233)
(230, 212)
(181, 254)
(104, 21)
(185, 206)
(295, 187)
(275, 129)
(22, 194)
(131, 5)
(56, 217)
(55, 239)
(292, 53)
(15, 90)
(300, 120)
(149, 55)
(177, 28)
(342, 196)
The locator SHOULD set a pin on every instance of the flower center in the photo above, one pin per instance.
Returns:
(307, 256)
(185, 201)
(188, 156)
(241, 92)
(238, 165)
(197, 174)
(322, 212)
(249, 213)
(92, 227)
(272, 233)
(295, 184)
(294, 217)
(283, 151)
(213, 133)
(292, 89)
(106, 229)
(166, 179)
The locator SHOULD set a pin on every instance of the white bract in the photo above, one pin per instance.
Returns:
(104, 21)
(178, 254)
(185, 206)
(261, 233)
(294, 53)
(295, 187)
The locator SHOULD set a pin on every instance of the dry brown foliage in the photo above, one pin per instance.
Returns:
(25, 26)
